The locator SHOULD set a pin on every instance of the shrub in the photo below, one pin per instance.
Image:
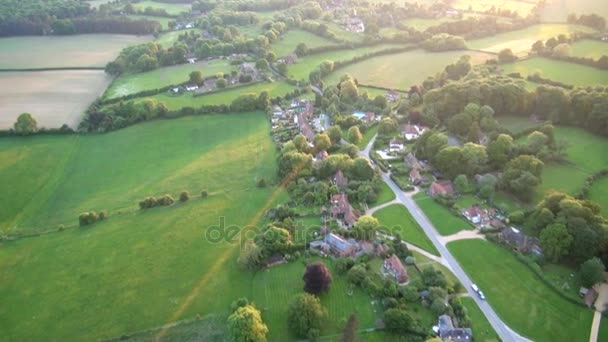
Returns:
(204, 194)
(184, 196)
(88, 218)
(261, 183)
(166, 200)
(102, 216)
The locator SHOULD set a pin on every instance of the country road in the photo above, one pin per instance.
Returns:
(503, 331)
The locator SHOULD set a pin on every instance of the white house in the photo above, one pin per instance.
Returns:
(412, 132)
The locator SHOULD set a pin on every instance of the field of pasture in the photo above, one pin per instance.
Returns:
(54, 98)
(589, 48)
(524, 302)
(137, 269)
(520, 41)
(174, 102)
(86, 50)
(167, 40)
(158, 78)
(387, 71)
(289, 41)
(565, 72)
(396, 219)
(173, 9)
(440, 216)
(598, 192)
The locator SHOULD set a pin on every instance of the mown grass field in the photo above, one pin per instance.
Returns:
(558, 10)
(387, 71)
(599, 194)
(589, 48)
(385, 195)
(396, 219)
(54, 98)
(139, 269)
(520, 41)
(174, 102)
(158, 78)
(305, 65)
(561, 71)
(516, 124)
(289, 41)
(482, 330)
(274, 288)
(172, 9)
(167, 40)
(440, 216)
(524, 302)
(85, 50)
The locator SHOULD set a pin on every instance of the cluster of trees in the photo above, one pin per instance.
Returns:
(265, 5)
(25, 124)
(147, 57)
(592, 20)
(559, 48)
(151, 202)
(245, 323)
(305, 316)
(473, 28)
(444, 42)
(90, 217)
(120, 115)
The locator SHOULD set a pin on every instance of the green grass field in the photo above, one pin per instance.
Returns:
(174, 102)
(275, 287)
(560, 177)
(163, 21)
(53, 97)
(139, 269)
(422, 24)
(387, 71)
(289, 41)
(482, 330)
(598, 193)
(396, 219)
(561, 71)
(158, 78)
(589, 48)
(85, 50)
(445, 222)
(172, 9)
(516, 124)
(520, 41)
(305, 65)
(385, 195)
(559, 10)
(524, 302)
(603, 333)
(167, 40)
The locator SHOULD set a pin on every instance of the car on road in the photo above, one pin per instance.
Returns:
(475, 288)
(481, 296)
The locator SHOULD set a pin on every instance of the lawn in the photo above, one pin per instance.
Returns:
(603, 333)
(158, 78)
(396, 219)
(444, 221)
(589, 48)
(139, 269)
(274, 288)
(561, 71)
(387, 71)
(385, 195)
(51, 180)
(520, 41)
(598, 193)
(289, 41)
(302, 68)
(85, 50)
(561, 177)
(524, 302)
(53, 98)
(482, 329)
(175, 102)
(586, 150)
(516, 124)
(559, 10)
(172, 9)
(167, 40)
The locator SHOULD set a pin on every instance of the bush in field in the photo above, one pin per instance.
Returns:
(25, 124)
(166, 200)
(261, 183)
(204, 194)
(89, 218)
(151, 202)
(184, 196)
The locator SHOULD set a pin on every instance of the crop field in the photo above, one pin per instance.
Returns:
(524, 302)
(86, 50)
(589, 48)
(302, 68)
(561, 71)
(275, 287)
(599, 194)
(288, 43)
(396, 219)
(558, 10)
(159, 78)
(440, 216)
(137, 269)
(387, 71)
(482, 330)
(54, 98)
(520, 41)
(174, 102)
(172, 9)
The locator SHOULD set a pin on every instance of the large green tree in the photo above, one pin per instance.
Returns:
(366, 227)
(25, 124)
(399, 322)
(592, 272)
(246, 325)
(555, 241)
(354, 135)
(305, 312)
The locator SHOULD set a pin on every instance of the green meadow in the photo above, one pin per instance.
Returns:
(396, 219)
(167, 40)
(561, 71)
(589, 48)
(440, 216)
(599, 194)
(175, 102)
(290, 40)
(516, 124)
(158, 78)
(387, 71)
(171, 8)
(524, 302)
(482, 329)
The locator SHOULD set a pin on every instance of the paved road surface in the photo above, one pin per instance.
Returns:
(503, 331)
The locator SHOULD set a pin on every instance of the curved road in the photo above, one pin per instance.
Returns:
(503, 331)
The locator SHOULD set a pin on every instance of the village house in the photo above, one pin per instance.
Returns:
(412, 132)
(520, 241)
(342, 211)
(441, 188)
(395, 268)
(412, 162)
(191, 87)
(340, 246)
(340, 180)
(355, 25)
(415, 177)
(321, 155)
(321, 123)
(290, 59)
(392, 96)
(447, 332)
(475, 214)
(395, 145)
